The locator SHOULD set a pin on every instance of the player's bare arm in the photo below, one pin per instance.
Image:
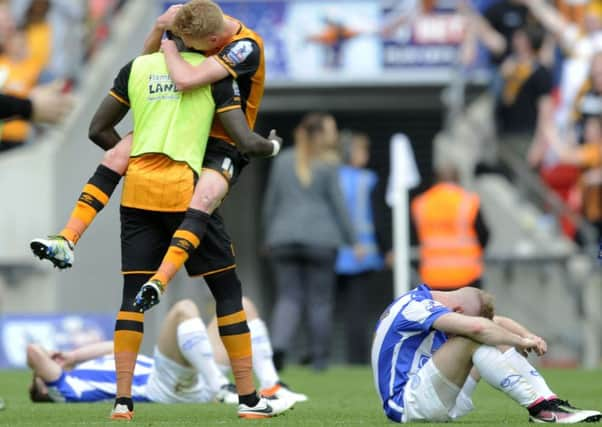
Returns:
(152, 43)
(88, 352)
(521, 330)
(482, 330)
(102, 127)
(251, 143)
(186, 76)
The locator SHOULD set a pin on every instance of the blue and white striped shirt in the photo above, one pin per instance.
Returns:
(95, 380)
(403, 342)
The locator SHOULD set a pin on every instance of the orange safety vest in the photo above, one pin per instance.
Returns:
(450, 253)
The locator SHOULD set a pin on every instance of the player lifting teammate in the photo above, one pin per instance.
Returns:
(237, 52)
(147, 215)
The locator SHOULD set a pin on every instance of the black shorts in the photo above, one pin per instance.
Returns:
(146, 235)
(226, 159)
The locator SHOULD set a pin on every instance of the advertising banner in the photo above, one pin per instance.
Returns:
(57, 332)
(354, 41)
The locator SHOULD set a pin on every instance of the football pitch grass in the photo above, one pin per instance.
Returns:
(342, 396)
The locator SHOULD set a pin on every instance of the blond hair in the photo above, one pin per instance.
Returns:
(198, 18)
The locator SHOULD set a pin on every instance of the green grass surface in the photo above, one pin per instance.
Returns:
(341, 397)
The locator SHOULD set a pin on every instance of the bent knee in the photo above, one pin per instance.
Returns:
(186, 309)
(250, 309)
(118, 157)
(209, 192)
(34, 351)
(116, 160)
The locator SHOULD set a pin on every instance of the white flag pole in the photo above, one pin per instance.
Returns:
(403, 176)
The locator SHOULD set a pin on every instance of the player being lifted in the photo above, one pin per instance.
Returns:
(431, 347)
(236, 51)
(158, 186)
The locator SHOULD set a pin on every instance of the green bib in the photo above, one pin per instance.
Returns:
(167, 121)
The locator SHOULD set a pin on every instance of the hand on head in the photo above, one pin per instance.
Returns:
(166, 20)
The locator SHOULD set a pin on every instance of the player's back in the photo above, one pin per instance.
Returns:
(95, 380)
(404, 340)
(166, 120)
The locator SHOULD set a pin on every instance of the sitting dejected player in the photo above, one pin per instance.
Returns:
(431, 348)
(187, 366)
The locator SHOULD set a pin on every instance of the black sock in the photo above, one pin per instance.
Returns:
(125, 401)
(536, 409)
(278, 356)
(249, 399)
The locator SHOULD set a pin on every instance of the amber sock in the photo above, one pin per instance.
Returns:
(235, 335)
(95, 195)
(185, 241)
(129, 331)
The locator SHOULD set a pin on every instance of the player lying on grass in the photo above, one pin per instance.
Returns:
(187, 366)
(431, 348)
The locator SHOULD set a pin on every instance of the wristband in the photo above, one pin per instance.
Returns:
(276, 149)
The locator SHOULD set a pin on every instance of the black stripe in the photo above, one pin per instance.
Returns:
(92, 201)
(129, 325)
(183, 244)
(105, 179)
(234, 329)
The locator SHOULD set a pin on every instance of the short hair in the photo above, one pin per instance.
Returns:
(198, 18)
(487, 306)
(36, 395)
(475, 302)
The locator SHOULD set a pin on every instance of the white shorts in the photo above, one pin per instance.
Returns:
(429, 396)
(170, 382)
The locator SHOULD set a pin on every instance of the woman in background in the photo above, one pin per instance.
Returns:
(305, 223)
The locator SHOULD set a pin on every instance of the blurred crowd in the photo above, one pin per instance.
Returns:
(546, 63)
(547, 86)
(46, 42)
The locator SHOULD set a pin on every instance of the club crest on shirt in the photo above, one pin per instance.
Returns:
(239, 52)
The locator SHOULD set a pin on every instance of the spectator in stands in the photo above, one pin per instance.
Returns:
(588, 157)
(560, 176)
(505, 17)
(588, 101)
(67, 18)
(452, 233)
(579, 33)
(305, 223)
(525, 98)
(21, 71)
(39, 32)
(46, 104)
(7, 24)
(356, 270)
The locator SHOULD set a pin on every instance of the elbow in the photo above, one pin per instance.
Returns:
(33, 353)
(183, 83)
(245, 147)
(95, 133)
(244, 142)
